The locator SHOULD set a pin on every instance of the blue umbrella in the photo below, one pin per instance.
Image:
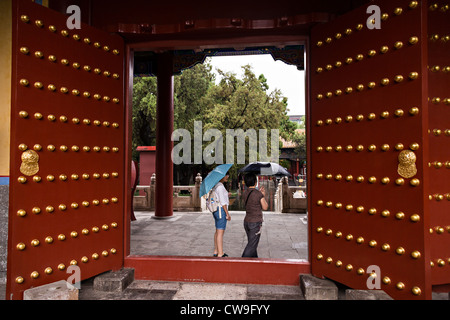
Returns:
(213, 177)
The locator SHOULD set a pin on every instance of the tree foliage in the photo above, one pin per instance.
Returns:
(232, 103)
(144, 113)
(191, 89)
(244, 103)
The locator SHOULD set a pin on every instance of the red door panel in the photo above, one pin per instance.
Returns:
(439, 140)
(368, 120)
(67, 150)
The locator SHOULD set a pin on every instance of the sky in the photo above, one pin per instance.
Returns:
(287, 78)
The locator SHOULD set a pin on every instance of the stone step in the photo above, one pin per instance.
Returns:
(114, 281)
(314, 288)
(59, 290)
(351, 294)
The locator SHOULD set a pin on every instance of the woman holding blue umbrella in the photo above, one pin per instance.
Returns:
(221, 216)
(214, 182)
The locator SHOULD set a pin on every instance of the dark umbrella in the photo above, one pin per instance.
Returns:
(265, 169)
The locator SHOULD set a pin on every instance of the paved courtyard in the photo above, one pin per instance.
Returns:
(284, 236)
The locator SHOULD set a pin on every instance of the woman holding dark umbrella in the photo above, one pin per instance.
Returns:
(254, 204)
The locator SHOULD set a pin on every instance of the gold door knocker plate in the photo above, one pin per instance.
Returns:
(29, 165)
(407, 164)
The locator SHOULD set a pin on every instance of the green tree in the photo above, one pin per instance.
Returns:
(144, 113)
(191, 88)
(303, 122)
(243, 104)
(287, 127)
(233, 103)
(300, 141)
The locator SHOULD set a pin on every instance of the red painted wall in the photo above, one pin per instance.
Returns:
(146, 164)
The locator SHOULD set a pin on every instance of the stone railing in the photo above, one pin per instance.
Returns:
(185, 198)
(285, 201)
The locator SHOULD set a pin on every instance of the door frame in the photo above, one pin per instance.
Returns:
(198, 269)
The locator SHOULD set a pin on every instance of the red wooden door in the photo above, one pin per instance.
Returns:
(439, 139)
(67, 150)
(369, 150)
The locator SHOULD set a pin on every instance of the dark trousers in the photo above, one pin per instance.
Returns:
(253, 230)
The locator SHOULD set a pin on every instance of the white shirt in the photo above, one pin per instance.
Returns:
(222, 194)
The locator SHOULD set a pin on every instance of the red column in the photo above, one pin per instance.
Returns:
(164, 144)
